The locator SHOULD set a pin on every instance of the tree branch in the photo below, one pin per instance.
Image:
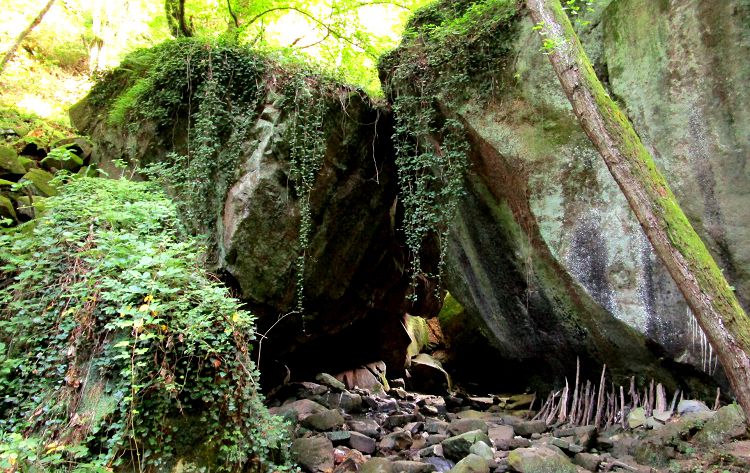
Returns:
(19, 39)
(329, 30)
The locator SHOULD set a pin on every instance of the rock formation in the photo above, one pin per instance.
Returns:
(544, 261)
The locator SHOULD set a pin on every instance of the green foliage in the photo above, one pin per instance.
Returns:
(344, 37)
(306, 150)
(448, 47)
(220, 90)
(116, 348)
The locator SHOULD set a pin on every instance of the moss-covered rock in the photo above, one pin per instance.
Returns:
(564, 223)
(727, 424)
(291, 177)
(9, 162)
(540, 460)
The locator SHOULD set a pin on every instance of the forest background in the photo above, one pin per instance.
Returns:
(57, 61)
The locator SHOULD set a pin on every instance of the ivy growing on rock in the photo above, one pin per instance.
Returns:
(447, 50)
(306, 152)
(207, 97)
(117, 349)
(204, 95)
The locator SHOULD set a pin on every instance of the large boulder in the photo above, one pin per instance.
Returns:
(544, 253)
(289, 139)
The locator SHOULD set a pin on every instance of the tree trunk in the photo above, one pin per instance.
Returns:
(178, 26)
(14, 47)
(688, 261)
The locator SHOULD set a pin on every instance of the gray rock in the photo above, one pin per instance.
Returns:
(509, 419)
(398, 420)
(407, 466)
(436, 427)
(441, 464)
(588, 461)
(436, 439)
(307, 389)
(573, 448)
(516, 442)
(397, 383)
(662, 416)
(400, 393)
(328, 380)
(314, 454)
(434, 450)
(687, 406)
(361, 442)
(339, 437)
(539, 459)
(472, 464)
(326, 420)
(414, 427)
(483, 450)
(346, 401)
(377, 465)
(526, 428)
(564, 432)
(461, 426)
(385, 406)
(637, 418)
(652, 423)
(457, 447)
(585, 435)
(436, 402)
(559, 443)
(727, 424)
(366, 427)
(298, 410)
(501, 433)
(399, 440)
(602, 226)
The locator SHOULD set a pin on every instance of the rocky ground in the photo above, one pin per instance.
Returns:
(340, 427)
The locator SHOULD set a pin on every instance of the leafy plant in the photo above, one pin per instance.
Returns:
(434, 67)
(220, 90)
(117, 348)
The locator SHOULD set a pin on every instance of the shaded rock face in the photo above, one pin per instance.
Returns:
(353, 280)
(545, 248)
(678, 69)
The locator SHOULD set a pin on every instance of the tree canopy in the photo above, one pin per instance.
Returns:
(51, 67)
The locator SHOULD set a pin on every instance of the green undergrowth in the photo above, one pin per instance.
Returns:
(451, 51)
(117, 350)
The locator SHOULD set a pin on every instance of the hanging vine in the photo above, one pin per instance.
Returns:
(434, 67)
(306, 153)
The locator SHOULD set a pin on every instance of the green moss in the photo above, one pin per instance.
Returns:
(641, 166)
(419, 333)
(41, 180)
(9, 161)
(451, 308)
(124, 103)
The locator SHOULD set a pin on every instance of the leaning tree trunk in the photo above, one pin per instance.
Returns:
(14, 47)
(688, 261)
